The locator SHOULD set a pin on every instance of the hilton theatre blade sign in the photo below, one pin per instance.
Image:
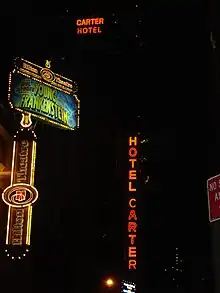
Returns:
(36, 92)
(21, 194)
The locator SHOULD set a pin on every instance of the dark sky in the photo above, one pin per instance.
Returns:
(166, 84)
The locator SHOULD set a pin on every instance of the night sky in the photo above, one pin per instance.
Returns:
(78, 220)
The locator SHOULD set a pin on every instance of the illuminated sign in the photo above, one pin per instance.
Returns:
(90, 26)
(46, 95)
(19, 226)
(128, 287)
(132, 199)
(213, 188)
(21, 194)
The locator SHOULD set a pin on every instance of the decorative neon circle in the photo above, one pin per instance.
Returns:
(47, 74)
(20, 195)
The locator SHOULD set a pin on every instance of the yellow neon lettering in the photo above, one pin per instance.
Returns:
(130, 203)
(132, 175)
(130, 187)
(132, 141)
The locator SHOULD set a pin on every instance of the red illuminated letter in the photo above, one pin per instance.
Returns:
(79, 30)
(132, 264)
(132, 152)
(132, 215)
(132, 227)
(132, 236)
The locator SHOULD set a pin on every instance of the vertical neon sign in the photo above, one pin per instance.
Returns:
(21, 194)
(132, 199)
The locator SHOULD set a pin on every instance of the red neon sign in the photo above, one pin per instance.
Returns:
(90, 26)
(20, 195)
(132, 214)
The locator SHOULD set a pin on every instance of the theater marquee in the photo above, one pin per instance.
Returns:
(44, 94)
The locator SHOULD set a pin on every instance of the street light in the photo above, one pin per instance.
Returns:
(109, 282)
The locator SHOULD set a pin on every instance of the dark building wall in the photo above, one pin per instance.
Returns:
(214, 94)
(6, 146)
(125, 65)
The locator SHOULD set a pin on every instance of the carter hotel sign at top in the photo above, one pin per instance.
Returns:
(89, 26)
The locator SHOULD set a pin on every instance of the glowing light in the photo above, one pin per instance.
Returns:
(13, 256)
(28, 236)
(109, 282)
(33, 159)
(26, 120)
(8, 225)
(48, 64)
(13, 162)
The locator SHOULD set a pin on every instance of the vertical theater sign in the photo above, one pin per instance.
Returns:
(132, 203)
(21, 194)
(35, 92)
